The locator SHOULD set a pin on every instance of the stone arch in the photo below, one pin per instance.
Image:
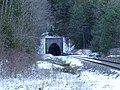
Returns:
(53, 42)
(54, 49)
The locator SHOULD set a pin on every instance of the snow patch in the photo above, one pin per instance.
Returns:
(71, 60)
(113, 56)
(96, 81)
(47, 65)
(44, 65)
(67, 59)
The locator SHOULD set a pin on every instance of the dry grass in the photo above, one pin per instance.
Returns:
(17, 62)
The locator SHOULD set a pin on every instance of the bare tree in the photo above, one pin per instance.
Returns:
(24, 21)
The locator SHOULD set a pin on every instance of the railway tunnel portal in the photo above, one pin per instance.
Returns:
(54, 46)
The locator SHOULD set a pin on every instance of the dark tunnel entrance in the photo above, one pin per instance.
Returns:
(54, 49)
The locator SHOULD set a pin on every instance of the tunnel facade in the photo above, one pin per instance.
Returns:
(54, 46)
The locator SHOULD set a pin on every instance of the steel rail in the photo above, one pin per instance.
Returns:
(111, 64)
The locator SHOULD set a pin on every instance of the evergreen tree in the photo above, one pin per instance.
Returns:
(60, 15)
(105, 30)
(81, 23)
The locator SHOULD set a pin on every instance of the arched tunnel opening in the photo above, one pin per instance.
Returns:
(54, 49)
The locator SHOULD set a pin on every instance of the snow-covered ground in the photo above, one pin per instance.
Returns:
(46, 75)
(66, 59)
(62, 81)
(82, 80)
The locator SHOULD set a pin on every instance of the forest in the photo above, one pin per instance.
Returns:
(89, 24)
(92, 24)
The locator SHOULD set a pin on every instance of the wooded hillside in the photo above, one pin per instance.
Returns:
(90, 24)
(21, 24)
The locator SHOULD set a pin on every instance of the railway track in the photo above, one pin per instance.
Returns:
(114, 64)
